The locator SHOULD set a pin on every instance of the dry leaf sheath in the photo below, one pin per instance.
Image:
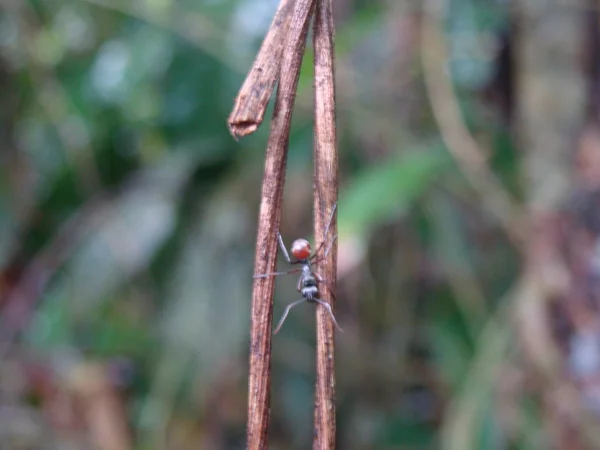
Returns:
(269, 217)
(251, 102)
(326, 192)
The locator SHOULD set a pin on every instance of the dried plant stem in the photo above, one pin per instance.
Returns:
(251, 102)
(269, 217)
(326, 192)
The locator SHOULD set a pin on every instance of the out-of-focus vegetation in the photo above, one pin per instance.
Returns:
(128, 215)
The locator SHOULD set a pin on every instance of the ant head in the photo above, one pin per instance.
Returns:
(301, 249)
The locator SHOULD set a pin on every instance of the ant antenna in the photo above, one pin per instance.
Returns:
(326, 232)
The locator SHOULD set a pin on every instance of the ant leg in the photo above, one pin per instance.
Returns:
(274, 274)
(327, 306)
(287, 258)
(283, 249)
(286, 312)
(326, 251)
(326, 230)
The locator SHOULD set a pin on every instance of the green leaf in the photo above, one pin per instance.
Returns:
(387, 190)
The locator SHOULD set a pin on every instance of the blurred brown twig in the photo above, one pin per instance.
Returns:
(461, 144)
(103, 407)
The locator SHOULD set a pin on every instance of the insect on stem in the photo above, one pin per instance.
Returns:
(308, 281)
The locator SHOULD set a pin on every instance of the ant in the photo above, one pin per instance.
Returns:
(307, 283)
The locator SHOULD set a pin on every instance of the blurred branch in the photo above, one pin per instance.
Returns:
(259, 382)
(562, 407)
(158, 408)
(103, 407)
(550, 112)
(551, 105)
(253, 97)
(325, 198)
(468, 408)
(551, 95)
(496, 348)
(455, 133)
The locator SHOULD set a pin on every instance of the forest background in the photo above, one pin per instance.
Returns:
(468, 226)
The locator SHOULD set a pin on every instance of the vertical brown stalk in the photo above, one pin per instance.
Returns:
(326, 191)
(259, 381)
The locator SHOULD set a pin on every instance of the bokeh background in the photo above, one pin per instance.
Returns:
(468, 223)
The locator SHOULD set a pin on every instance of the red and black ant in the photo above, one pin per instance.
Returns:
(307, 283)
